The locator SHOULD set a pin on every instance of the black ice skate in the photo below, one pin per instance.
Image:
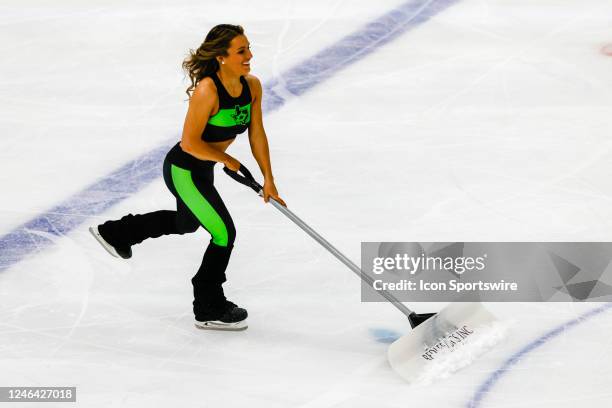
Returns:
(226, 316)
(117, 252)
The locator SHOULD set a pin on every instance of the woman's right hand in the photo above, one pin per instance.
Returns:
(232, 164)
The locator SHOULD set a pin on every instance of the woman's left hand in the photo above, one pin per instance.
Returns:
(269, 190)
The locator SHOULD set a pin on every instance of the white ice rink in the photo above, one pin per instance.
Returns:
(486, 121)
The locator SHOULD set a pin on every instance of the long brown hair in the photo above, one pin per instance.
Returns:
(203, 62)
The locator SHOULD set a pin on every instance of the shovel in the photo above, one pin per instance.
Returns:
(428, 351)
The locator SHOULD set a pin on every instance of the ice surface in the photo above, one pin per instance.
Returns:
(488, 121)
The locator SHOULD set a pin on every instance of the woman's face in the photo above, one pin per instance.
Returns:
(238, 56)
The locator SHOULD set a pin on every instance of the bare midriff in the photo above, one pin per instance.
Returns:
(221, 146)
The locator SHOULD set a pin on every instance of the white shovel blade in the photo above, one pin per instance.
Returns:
(444, 343)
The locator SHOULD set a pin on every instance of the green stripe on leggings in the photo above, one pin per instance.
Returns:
(198, 205)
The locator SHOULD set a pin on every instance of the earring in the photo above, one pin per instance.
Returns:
(223, 62)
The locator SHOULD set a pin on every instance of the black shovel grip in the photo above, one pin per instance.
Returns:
(245, 178)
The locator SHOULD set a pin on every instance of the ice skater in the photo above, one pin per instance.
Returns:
(224, 101)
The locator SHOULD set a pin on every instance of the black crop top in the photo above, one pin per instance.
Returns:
(234, 114)
(233, 118)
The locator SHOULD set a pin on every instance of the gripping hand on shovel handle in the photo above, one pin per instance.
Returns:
(269, 190)
(244, 176)
(232, 164)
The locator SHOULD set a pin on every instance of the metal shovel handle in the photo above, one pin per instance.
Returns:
(245, 178)
(248, 180)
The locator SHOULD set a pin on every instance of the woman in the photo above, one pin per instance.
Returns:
(224, 101)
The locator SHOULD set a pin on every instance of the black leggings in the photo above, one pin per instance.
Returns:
(197, 204)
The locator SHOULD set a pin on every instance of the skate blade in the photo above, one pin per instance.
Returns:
(218, 325)
(109, 248)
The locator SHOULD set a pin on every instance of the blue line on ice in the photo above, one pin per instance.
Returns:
(136, 174)
(486, 387)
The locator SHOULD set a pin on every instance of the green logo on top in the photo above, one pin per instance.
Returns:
(241, 115)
